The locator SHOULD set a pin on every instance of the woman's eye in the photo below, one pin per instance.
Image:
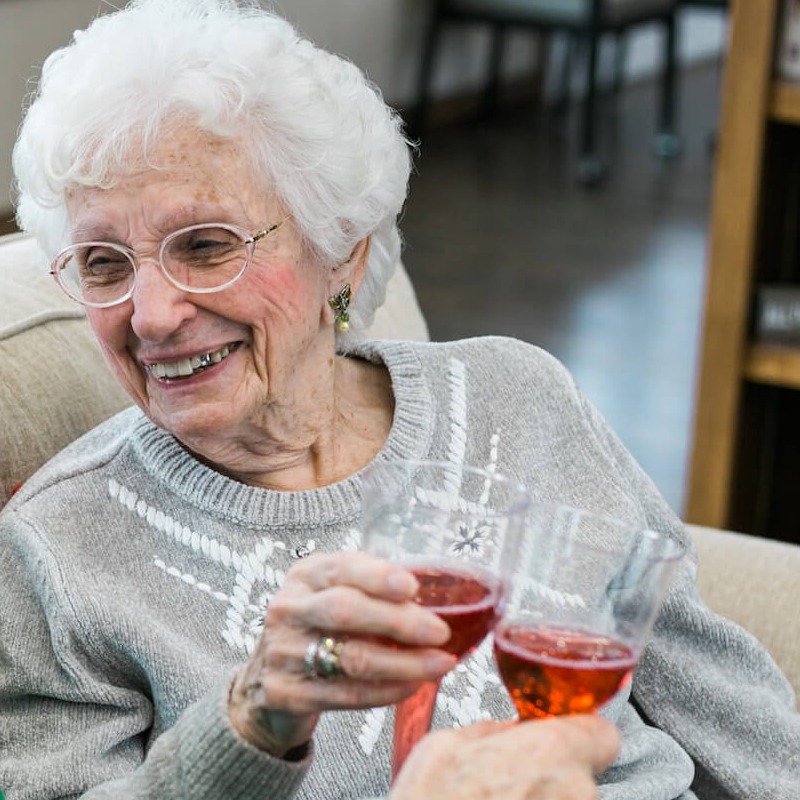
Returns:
(100, 264)
(206, 245)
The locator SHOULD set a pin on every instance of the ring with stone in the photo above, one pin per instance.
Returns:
(326, 661)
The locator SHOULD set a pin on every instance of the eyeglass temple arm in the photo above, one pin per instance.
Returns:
(261, 234)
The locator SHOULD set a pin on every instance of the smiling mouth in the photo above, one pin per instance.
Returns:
(186, 367)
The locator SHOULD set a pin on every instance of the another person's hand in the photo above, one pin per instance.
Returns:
(354, 597)
(552, 759)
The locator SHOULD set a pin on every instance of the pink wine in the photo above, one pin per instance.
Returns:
(412, 720)
(468, 601)
(550, 671)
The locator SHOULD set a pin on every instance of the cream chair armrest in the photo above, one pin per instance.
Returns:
(756, 583)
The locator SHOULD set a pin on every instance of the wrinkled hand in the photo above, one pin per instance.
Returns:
(275, 706)
(552, 759)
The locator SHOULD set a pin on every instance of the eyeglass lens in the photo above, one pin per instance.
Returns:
(197, 259)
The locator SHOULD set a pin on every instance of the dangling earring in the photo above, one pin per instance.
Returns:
(340, 303)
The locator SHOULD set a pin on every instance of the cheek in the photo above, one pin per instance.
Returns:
(288, 293)
(110, 327)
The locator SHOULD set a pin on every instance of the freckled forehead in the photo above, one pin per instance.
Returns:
(186, 169)
(202, 159)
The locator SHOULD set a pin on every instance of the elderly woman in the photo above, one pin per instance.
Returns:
(221, 196)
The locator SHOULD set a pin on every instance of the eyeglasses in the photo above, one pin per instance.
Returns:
(200, 259)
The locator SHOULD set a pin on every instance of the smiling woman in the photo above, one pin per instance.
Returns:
(182, 603)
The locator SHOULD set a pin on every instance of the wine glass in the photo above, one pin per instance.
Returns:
(456, 529)
(580, 608)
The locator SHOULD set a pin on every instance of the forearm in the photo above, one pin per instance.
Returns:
(201, 757)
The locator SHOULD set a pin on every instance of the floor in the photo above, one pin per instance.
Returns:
(501, 239)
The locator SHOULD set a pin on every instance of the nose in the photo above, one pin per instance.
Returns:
(159, 307)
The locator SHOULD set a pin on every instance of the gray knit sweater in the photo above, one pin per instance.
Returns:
(133, 578)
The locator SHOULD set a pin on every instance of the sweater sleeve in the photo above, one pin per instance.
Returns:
(706, 681)
(69, 728)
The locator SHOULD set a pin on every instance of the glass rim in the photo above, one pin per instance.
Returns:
(520, 503)
(674, 549)
(498, 476)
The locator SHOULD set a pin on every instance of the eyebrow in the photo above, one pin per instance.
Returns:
(190, 214)
(92, 233)
(166, 223)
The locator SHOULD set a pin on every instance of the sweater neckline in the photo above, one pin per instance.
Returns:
(180, 473)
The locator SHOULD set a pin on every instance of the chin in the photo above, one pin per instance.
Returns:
(193, 424)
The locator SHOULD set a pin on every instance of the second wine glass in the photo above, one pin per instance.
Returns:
(456, 528)
(581, 606)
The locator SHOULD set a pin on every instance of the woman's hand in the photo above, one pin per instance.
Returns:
(538, 760)
(355, 597)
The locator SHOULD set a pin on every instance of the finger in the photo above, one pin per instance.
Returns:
(587, 738)
(303, 697)
(362, 660)
(602, 740)
(372, 575)
(288, 651)
(344, 610)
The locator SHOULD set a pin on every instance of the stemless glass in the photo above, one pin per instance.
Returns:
(456, 528)
(579, 610)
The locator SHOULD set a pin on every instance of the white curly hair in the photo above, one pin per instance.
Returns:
(320, 135)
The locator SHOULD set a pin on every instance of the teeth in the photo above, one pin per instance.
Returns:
(218, 355)
(188, 366)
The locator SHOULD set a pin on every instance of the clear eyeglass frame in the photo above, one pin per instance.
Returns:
(66, 259)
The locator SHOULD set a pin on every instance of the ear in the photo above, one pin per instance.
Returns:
(351, 271)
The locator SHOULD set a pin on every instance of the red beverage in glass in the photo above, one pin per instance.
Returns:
(468, 600)
(551, 671)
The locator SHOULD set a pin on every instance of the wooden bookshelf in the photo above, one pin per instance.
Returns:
(773, 365)
(784, 103)
(745, 462)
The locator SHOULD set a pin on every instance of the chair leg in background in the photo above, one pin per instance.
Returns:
(419, 116)
(620, 57)
(591, 168)
(668, 143)
(563, 87)
(492, 90)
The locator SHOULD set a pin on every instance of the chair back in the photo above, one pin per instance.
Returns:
(756, 583)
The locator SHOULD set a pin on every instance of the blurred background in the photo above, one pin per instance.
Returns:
(502, 235)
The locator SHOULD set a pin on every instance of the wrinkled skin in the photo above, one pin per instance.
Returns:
(543, 760)
(282, 410)
(275, 706)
